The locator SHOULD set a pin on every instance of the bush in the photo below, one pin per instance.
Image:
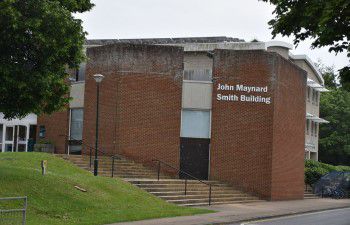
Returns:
(312, 175)
(315, 170)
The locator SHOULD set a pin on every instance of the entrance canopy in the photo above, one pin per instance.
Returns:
(315, 118)
(29, 119)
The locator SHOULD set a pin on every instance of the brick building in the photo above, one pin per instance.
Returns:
(218, 108)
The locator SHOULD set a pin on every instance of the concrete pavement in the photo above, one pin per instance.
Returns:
(232, 213)
(333, 217)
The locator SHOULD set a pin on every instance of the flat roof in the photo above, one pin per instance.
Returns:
(159, 41)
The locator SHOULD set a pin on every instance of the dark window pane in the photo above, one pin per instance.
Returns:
(76, 128)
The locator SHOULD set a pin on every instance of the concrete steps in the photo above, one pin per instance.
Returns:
(308, 194)
(171, 190)
(197, 193)
(122, 168)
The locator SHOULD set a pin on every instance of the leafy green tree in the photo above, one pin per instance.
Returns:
(39, 40)
(327, 22)
(334, 143)
(345, 78)
(328, 74)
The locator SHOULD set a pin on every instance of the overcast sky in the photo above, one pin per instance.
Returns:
(245, 19)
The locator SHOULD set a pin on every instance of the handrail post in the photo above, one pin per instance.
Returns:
(186, 186)
(158, 169)
(112, 166)
(209, 194)
(90, 157)
(322, 192)
(24, 211)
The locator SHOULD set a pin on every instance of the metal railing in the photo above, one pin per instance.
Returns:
(9, 214)
(99, 152)
(160, 163)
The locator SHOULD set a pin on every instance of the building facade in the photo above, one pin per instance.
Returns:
(315, 86)
(17, 135)
(218, 108)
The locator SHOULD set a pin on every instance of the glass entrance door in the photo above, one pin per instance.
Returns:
(9, 138)
(21, 138)
(1, 137)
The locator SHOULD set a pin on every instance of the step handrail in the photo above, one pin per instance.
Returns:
(160, 162)
(113, 157)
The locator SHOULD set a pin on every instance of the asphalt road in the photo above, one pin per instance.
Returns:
(330, 217)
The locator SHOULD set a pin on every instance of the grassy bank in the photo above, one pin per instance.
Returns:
(53, 199)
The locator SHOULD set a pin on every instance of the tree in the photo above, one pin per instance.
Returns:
(39, 40)
(328, 74)
(334, 143)
(327, 22)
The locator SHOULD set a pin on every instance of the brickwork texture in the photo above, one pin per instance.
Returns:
(140, 101)
(256, 146)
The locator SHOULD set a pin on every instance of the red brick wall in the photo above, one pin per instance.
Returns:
(57, 127)
(244, 146)
(241, 140)
(289, 132)
(140, 101)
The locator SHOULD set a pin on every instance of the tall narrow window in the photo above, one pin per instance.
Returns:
(307, 126)
(316, 129)
(42, 131)
(1, 136)
(76, 131)
(314, 96)
(79, 74)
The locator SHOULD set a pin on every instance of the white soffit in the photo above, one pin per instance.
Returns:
(311, 83)
(315, 118)
(310, 63)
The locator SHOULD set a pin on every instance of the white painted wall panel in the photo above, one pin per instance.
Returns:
(197, 95)
(77, 94)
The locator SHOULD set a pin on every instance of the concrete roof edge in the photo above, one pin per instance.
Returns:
(310, 63)
(279, 44)
(193, 47)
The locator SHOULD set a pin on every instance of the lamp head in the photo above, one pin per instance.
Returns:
(98, 78)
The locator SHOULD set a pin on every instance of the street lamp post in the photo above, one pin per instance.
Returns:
(98, 78)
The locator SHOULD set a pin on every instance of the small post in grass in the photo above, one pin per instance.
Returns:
(43, 166)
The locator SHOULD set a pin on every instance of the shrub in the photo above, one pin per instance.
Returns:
(315, 170)
(312, 175)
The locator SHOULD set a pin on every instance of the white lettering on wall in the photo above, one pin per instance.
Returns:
(250, 97)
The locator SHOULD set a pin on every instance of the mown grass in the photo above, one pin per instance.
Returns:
(53, 199)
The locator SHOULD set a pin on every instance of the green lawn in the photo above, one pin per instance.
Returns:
(52, 199)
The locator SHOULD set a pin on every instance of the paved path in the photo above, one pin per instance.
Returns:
(330, 217)
(228, 214)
